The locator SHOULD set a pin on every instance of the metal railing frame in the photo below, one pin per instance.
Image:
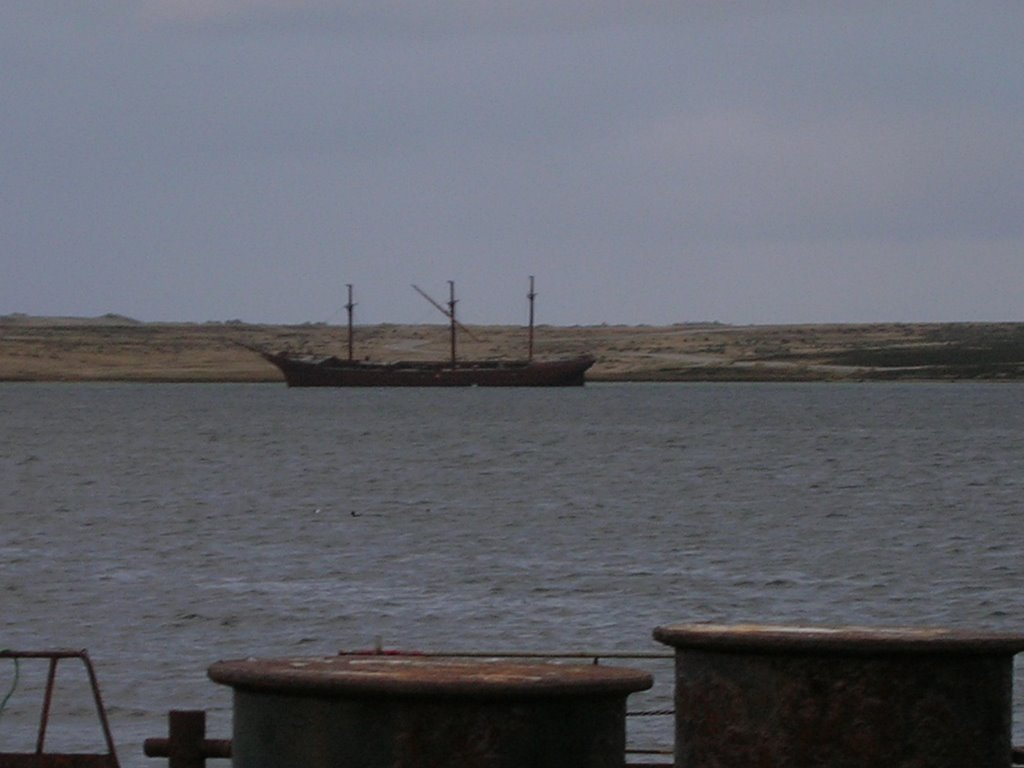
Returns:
(54, 657)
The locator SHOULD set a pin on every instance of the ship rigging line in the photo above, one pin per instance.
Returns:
(446, 312)
(14, 685)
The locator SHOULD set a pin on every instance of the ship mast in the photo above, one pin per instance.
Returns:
(349, 307)
(531, 296)
(451, 315)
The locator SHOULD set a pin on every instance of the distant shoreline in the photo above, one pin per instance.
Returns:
(115, 348)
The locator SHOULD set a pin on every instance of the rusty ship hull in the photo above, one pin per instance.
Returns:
(303, 371)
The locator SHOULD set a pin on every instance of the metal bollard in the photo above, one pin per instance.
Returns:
(379, 712)
(843, 697)
(187, 745)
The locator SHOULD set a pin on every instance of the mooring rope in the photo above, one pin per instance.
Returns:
(651, 713)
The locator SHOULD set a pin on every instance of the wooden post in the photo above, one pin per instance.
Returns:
(187, 745)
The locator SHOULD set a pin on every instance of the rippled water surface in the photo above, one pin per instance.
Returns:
(165, 527)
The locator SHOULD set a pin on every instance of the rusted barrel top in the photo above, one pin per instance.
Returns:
(410, 676)
(758, 638)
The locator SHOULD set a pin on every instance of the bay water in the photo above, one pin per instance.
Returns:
(164, 527)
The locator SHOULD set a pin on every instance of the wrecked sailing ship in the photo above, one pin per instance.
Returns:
(312, 371)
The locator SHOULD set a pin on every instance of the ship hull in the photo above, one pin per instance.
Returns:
(333, 372)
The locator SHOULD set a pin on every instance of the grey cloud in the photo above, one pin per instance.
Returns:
(199, 159)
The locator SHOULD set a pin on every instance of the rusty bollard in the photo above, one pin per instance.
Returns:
(846, 697)
(187, 745)
(379, 712)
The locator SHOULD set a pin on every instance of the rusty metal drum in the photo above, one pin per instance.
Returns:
(847, 697)
(390, 711)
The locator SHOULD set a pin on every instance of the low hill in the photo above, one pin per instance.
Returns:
(115, 348)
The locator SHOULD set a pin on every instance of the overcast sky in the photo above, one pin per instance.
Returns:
(648, 162)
